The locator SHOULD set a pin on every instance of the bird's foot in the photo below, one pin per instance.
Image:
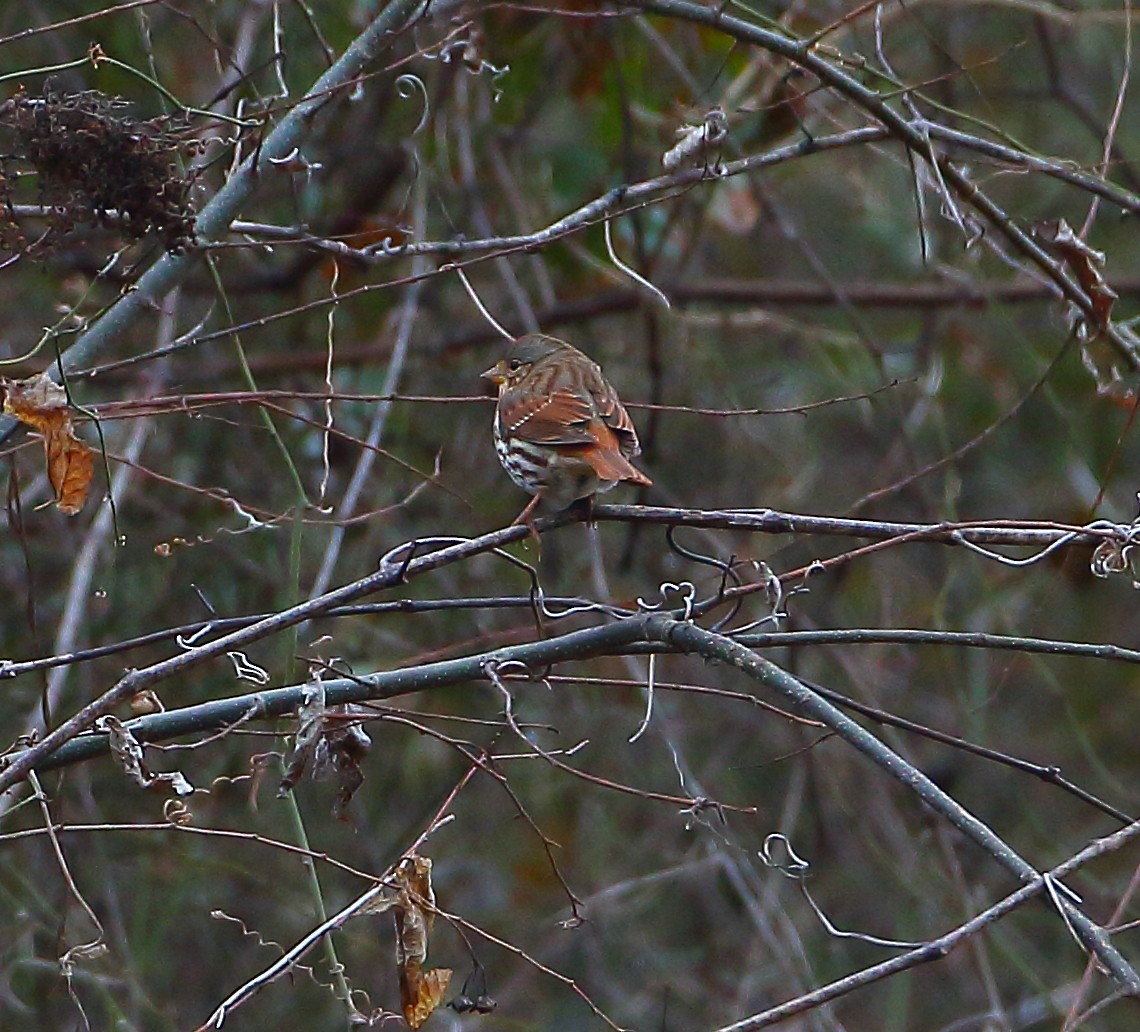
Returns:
(526, 517)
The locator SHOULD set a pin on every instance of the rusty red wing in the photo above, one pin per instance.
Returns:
(617, 419)
(585, 379)
(560, 418)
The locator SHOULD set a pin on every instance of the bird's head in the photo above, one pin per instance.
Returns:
(521, 357)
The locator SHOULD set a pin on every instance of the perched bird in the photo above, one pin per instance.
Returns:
(560, 430)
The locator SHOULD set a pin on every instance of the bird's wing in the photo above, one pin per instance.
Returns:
(570, 421)
(612, 412)
(562, 417)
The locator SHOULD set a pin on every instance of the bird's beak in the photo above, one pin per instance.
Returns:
(497, 373)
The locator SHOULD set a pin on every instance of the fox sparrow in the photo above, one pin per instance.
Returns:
(560, 431)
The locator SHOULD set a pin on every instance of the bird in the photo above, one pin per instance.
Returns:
(560, 431)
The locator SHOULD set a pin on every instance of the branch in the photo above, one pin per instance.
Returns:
(220, 715)
(935, 949)
(688, 637)
(388, 684)
(914, 135)
(613, 202)
(621, 198)
(922, 636)
(17, 668)
(685, 637)
(393, 570)
(214, 219)
(1039, 533)
(624, 197)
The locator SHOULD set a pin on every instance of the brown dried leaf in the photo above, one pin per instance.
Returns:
(37, 401)
(310, 715)
(415, 909)
(70, 465)
(41, 404)
(421, 993)
(1086, 264)
(412, 902)
(338, 756)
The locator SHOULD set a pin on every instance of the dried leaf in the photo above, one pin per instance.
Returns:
(338, 756)
(415, 909)
(330, 739)
(70, 466)
(309, 715)
(412, 902)
(128, 753)
(1086, 264)
(696, 141)
(41, 404)
(421, 993)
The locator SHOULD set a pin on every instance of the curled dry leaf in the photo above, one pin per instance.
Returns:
(41, 404)
(1113, 378)
(332, 740)
(1086, 264)
(421, 992)
(412, 902)
(696, 141)
(128, 753)
(310, 717)
(338, 757)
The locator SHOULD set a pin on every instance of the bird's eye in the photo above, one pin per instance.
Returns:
(514, 365)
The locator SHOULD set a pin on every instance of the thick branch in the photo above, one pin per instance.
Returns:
(392, 571)
(219, 714)
(688, 637)
(915, 136)
(681, 636)
(387, 684)
(214, 219)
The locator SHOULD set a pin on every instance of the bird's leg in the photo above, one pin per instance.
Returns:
(527, 515)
